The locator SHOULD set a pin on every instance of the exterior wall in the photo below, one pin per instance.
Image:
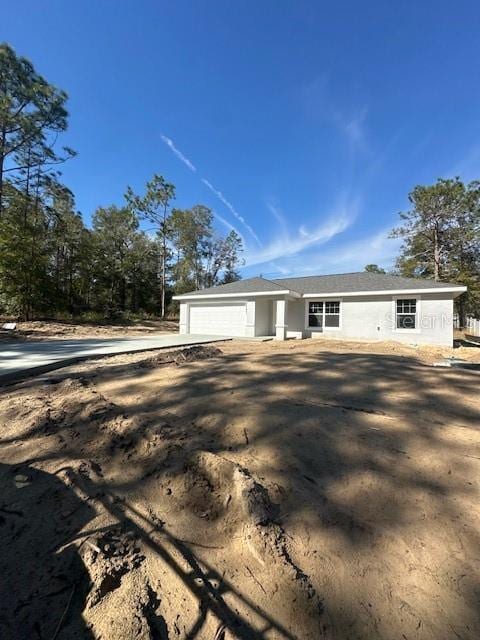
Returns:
(183, 323)
(281, 310)
(373, 318)
(361, 317)
(263, 317)
(296, 319)
(250, 324)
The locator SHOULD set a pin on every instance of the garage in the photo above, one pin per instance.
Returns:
(225, 319)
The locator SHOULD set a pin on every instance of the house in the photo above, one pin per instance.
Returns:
(367, 306)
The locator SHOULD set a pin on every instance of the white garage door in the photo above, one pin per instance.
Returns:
(218, 319)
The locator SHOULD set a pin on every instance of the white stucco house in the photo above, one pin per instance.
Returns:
(366, 306)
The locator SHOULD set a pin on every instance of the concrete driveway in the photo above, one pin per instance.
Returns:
(21, 359)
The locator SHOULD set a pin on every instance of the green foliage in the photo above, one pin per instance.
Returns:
(154, 206)
(374, 268)
(32, 114)
(24, 283)
(71, 254)
(441, 237)
(202, 258)
(50, 263)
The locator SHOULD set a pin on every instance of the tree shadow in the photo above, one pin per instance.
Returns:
(202, 580)
(307, 423)
(43, 582)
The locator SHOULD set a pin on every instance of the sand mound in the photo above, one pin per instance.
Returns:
(144, 511)
(265, 494)
(181, 356)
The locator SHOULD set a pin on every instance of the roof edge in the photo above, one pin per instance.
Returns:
(458, 289)
(242, 294)
(357, 273)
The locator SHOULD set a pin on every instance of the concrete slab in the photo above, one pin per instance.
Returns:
(254, 338)
(22, 359)
(458, 364)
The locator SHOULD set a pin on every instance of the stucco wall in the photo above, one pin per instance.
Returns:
(374, 319)
(263, 317)
(296, 319)
(362, 318)
(183, 321)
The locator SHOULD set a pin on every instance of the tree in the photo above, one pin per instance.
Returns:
(32, 114)
(441, 237)
(203, 259)
(464, 252)
(192, 234)
(142, 262)
(231, 249)
(427, 226)
(154, 206)
(374, 268)
(71, 253)
(223, 257)
(24, 256)
(114, 231)
(50, 262)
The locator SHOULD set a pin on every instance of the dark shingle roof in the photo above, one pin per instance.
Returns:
(362, 281)
(251, 285)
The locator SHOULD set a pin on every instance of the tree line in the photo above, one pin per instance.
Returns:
(441, 239)
(50, 261)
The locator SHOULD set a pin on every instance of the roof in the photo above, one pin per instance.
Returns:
(250, 285)
(360, 282)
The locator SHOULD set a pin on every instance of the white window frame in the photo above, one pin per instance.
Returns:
(324, 328)
(418, 301)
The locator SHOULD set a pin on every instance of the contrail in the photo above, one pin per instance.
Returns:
(229, 225)
(170, 144)
(231, 208)
(178, 153)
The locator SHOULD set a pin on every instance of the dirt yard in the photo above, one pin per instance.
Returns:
(49, 329)
(245, 490)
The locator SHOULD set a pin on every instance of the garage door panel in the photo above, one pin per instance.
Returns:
(218, 319)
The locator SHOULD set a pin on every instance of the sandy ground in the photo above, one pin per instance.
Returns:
(47, 329)
(304, 490)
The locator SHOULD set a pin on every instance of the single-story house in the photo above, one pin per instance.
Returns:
(366, 306)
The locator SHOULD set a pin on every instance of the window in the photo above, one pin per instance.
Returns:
(324, 314)
(406, 313)
(315, 314)
(332, 314)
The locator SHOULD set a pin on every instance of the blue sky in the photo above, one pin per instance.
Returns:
(303, 125)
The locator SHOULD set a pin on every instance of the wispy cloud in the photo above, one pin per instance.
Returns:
(286, 245)
(377, 248)
(274, 267)
(353, 126)
(232, 209)
(178, 153)
(321, 104)
(279, 217)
